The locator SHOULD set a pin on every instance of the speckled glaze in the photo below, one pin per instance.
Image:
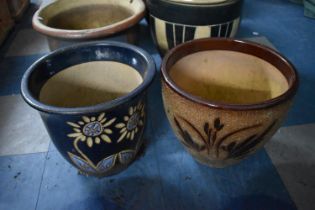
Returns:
(174, 22)
(218, 134)
(125, 30)
(102, 139)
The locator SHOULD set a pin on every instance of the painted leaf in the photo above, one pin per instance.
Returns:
(217, 124)
(206, 128)
(126, 157)
(106, 164)
(244, 148)
(210, 141)
(81, 164)
(231, 147)
(249, 144)
(188, 141)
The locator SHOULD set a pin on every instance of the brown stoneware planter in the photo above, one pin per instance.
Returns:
(218, 132)
(67, 22)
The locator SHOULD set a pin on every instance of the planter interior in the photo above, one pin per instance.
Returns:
(228, 77)
(258, 68)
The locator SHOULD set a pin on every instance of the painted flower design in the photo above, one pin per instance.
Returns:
(92, 129)
(132, 121)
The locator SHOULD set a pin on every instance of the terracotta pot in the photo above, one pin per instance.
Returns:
(71, 21)
(102, 139)
(173, 22)
(219, 133)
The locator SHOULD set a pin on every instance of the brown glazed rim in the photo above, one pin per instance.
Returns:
(86, 33)
(247, 47)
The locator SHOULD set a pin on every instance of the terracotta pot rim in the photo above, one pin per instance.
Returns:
(193, 46)
(86, 33)
(32, 100)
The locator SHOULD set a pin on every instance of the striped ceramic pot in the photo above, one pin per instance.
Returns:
(173, 22)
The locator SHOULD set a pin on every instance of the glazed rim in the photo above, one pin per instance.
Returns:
(87, 33)
(35, 103)
(247, 47)
(200, 2)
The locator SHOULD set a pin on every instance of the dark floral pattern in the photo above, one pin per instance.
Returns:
(211, 142)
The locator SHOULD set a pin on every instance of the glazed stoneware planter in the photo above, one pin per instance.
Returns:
(173, 22)
(67, 22)
(219, 133)
(101, 139)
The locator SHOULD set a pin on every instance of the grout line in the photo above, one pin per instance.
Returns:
(25, 154)
(41, 181)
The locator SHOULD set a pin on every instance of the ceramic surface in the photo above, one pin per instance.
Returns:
(103, 139)
(123, 29)
(175, 22)
(221, 134)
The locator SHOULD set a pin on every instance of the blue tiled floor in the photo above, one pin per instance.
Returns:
(21, 177)
(12, 70)
(166, 177)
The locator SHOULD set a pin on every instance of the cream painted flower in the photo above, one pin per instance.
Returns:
(92, 130)
(132, 121)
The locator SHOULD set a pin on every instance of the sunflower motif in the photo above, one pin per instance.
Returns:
(92, 130)
(131, 123)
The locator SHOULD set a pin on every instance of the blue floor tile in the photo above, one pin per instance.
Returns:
(11, 72)
(20, 181)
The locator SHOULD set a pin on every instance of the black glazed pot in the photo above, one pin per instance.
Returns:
(173, 22)
(103, 139)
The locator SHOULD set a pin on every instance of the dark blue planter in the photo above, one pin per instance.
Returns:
(99, 140)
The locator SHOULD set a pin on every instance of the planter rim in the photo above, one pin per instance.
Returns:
(199, 45)
(197, 3)
(35, 103)
(94, 33)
